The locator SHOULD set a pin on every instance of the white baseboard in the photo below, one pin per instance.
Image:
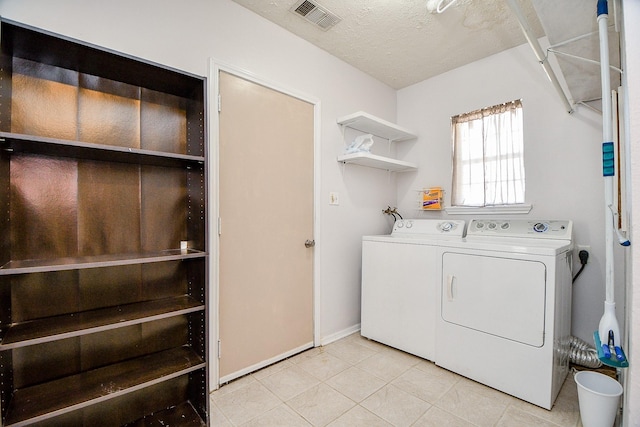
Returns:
(339, 335)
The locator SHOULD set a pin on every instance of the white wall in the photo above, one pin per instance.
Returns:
(185, 34)
(632, 70)
(562, 155)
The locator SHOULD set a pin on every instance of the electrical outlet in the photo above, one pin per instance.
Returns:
(582, 248)
(334, 198)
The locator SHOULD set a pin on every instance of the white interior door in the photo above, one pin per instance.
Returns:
(266, 195)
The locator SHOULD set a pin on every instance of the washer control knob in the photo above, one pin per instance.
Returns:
(505, 225)
(540, 227)
(409, 224)
(479, 225)
(400, 224)
(446, 226)
(492, 226)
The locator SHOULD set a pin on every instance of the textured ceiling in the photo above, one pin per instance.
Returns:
(398, 41)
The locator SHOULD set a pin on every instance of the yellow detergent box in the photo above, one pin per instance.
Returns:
(432, 198)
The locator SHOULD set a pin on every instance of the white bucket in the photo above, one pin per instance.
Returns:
(598, 396)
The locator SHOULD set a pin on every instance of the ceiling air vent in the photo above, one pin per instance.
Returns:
(316, 14)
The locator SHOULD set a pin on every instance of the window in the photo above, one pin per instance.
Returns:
(488, 156)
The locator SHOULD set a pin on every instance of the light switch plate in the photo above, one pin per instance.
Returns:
(334, 198)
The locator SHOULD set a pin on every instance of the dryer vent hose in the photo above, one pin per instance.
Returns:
(583, 354)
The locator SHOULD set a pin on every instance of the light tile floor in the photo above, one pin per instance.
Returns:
(357, 382)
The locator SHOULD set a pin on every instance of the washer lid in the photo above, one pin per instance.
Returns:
(423, 229)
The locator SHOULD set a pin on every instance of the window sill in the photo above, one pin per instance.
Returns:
(488, 210)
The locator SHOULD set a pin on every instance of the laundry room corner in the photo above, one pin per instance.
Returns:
(553, 139)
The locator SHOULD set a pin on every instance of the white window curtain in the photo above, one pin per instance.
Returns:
(488, 162)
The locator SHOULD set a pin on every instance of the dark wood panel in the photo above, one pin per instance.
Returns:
(163, 122)
(167, 333)
(118, 345)
(45, 362)
(88, 388)
(5, 304)
(44, 194)
(168, 278)
(41, 71)
(5, 198)
(197, 224)
(44, 107)
(196, 129)
(108, 119)
(6, 373)
(5, 175)
(163, 208)
(110, 287)
(34, 296)
(6, 72)
(59, 327)
(108, 208)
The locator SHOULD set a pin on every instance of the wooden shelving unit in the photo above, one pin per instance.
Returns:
(103, 260)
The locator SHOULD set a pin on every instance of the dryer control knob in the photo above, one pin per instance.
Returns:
(409, 224)
(400, 224)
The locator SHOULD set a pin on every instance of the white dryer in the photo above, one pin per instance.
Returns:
(400, 284)
(505, 306)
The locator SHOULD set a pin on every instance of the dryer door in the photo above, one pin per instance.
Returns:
(499, 296)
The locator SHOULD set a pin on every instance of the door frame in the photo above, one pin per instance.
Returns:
(215, 67)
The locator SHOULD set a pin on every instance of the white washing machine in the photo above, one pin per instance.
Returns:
(400, 284)
(505, 306)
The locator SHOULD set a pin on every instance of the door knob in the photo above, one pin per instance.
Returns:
(309, 243)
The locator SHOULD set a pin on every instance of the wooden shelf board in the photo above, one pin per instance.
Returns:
(88, 322)
(368, 123)
(183, 415)
(378, 162)
(19, 143)
(45, 401)
(73, 263)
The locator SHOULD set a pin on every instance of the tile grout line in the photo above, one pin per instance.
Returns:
(355, 362)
